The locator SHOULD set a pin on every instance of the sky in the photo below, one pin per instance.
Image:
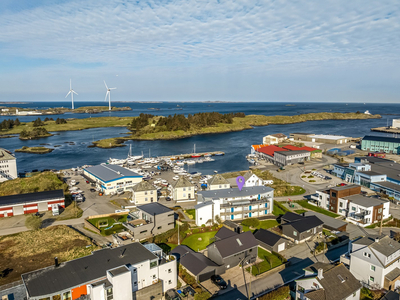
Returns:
(205, 50)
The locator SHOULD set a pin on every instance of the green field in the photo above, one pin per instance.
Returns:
(191, 213)
(305, 204)
(269, 262)
(106, 222)
(194, 243)
(263, 224)
(279, 209)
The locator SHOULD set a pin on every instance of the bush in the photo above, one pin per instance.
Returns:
(33, 222)
(310, 176)
(202, 296)
(281, 257)
(282, 293)
(312, 180)
(251, 222)
(304, 176)
(196, 230)
(320, 247)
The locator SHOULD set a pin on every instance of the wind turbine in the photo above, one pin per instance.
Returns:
(108, 93)
(72, 92)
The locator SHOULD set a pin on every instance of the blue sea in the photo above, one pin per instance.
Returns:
(236, 145)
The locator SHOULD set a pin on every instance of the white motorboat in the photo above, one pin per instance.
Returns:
(175, 177)
(180, 163)
(115, 161)
(190, 162)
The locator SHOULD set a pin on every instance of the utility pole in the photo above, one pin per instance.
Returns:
(178, 234)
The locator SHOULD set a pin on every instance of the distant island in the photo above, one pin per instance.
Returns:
(18, 111)
(35, 150)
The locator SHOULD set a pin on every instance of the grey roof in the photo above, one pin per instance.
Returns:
(316, 295)
(328, 221)
(381, 139)
(235, 192)
(193, 261)
(389, 185)
(279, 135)
(231, 224)
(235, 244)
(144, 186)
(391, 296)
(83, 270)
(154, 208)
(370, 173)
(386, 246)
(119, 270)
(384, 166)
(31, 197)
(110, 172)
(365, 201)
(6, 155)
(392, 275)
(182, 182)
(268, 237)
(305, 224)
(292, 152)
(224, 233)
(366, 240)
(319, 265)
(345, 187)
(372, 159)
(203, 204)
(217, 179)
(291, 216)
(247, 175)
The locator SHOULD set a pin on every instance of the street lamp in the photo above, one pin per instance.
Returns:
(247, 262)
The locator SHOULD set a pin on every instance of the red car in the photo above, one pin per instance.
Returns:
(87, 181)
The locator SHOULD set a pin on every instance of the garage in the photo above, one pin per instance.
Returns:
(206, 276)
(270, 241)
(281, 247)
(31, 209)
(42, 206)
(18, 210)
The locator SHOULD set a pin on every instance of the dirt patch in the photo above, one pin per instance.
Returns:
(32, 250)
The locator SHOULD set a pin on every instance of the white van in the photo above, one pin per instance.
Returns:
(55, 209)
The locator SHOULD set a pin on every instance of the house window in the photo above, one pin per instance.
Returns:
(367, 255)
(145, 199)
(301, 289)
(145, 193)
(353, 208)
(153, 264)
(333, 194)
(341, 204)
(135, 283)
(184, 195)
(109, 293)
(189, 188)
(154, 276)
(169, 281)
(372, 268)
(67, 296)
(151, 192)
(184, 189)
(295, 233)
(169, 270)
(379, 210)
(372, 279)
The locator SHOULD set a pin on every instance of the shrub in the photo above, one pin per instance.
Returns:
(282, 293)
(202, 296)
(33, 222)
(312, 180)
(251, 222)
(304, 176)
(196, 230)
(311, 176)
(281, 257)
(320, 247)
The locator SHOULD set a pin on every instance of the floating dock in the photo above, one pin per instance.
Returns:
(184, 156)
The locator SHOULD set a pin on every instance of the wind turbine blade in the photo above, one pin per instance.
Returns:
(105, 84)
(68, 94)
(112, 88)
(74, 92)
(106, 95)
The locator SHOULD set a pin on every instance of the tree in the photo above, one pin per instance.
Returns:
(218, 219)
(33, 222)
(17, 122)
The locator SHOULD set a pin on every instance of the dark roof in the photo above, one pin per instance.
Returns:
(372, 159)
(370, 173)
(316, 295)
(290, 217)
(305, 224)
(389, 185)
(231, 224)
(235, 244)
(83, 270)
(31, 197)
(294, 152)
(193, 261)
(319, 265)
(380, 139)
(391, 296)
(386, 246)
(224, 233)
(110, 172)
(302, 133)
(267, 237)
(154, 208)
(328, 221)
(119, 270)
(344, 187)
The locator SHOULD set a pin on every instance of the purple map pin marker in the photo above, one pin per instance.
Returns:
(240, 182)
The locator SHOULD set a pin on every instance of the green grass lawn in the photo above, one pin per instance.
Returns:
(300, 211)
(309, 206)
(193, 242)
(269, 262)
(263, 224)
(97, 222)
(191, 213)
(279, 209)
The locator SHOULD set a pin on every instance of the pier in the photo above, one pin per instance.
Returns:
(183, 156)
(386, 129)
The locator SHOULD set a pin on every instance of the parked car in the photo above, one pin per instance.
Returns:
(218, 281)
(168, 198)
(92, 190)
(87, 181)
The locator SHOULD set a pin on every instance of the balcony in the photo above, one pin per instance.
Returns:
(245, 202)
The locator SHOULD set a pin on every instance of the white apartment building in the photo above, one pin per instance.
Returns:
(365, 211)
(8, 165)
(375, 261)
(123, 273)
(233, 204)
(183, 190)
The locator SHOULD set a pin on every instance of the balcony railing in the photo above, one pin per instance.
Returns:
(245, 202)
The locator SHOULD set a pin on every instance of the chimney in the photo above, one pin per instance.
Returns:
(377, 239)
(320, 273)
(56, 264)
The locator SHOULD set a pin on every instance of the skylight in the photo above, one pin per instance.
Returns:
(239, 242)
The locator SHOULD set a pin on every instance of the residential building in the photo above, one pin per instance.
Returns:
(251, 179)
(234, 204)
(320, 138)
(364, 211)
(302, 229)
(234, 250)
(327, 282)
(381, 144)
(329, 222)
(270, 241)
(374, 260)
(21, 204)
(183, 190)
(224, 233)
(274, 139)
(144, 192)
(396, 123)
(287, 158)
(218, 182)
(133, 271)
(112, 179)
(150, 220)
(8, 165)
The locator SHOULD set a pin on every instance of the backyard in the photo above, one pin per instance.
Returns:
(263, 224)
(107, 225)
(269, 262)
(305, 204)
(31, 250)
(191, 213)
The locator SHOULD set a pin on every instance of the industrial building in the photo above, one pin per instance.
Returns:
(22, 204)
(112, 179)
(287, 155)
(380, 144)
(8, 165)
(320, 138)
(396, 123)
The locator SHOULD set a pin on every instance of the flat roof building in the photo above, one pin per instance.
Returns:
(381, 144)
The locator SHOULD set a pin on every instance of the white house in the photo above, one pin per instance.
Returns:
(233, 204)
(112, 179)
(183, 190)
(365, 211)
(218, 182)
(128, 272)
(143, 193)
(274, 139)
(326, 281)
(8, 165)
(374, 260)
(252, 179)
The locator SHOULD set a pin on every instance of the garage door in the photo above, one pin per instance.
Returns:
(206, 276)
(281, 247)
(42, 206)
(18, 210)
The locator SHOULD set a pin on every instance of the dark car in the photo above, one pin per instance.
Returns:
(218, 281)
(92, 190)
(168, 198)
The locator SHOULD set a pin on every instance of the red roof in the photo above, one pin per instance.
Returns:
(270, 150)
(291, 147)
(308, 148)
